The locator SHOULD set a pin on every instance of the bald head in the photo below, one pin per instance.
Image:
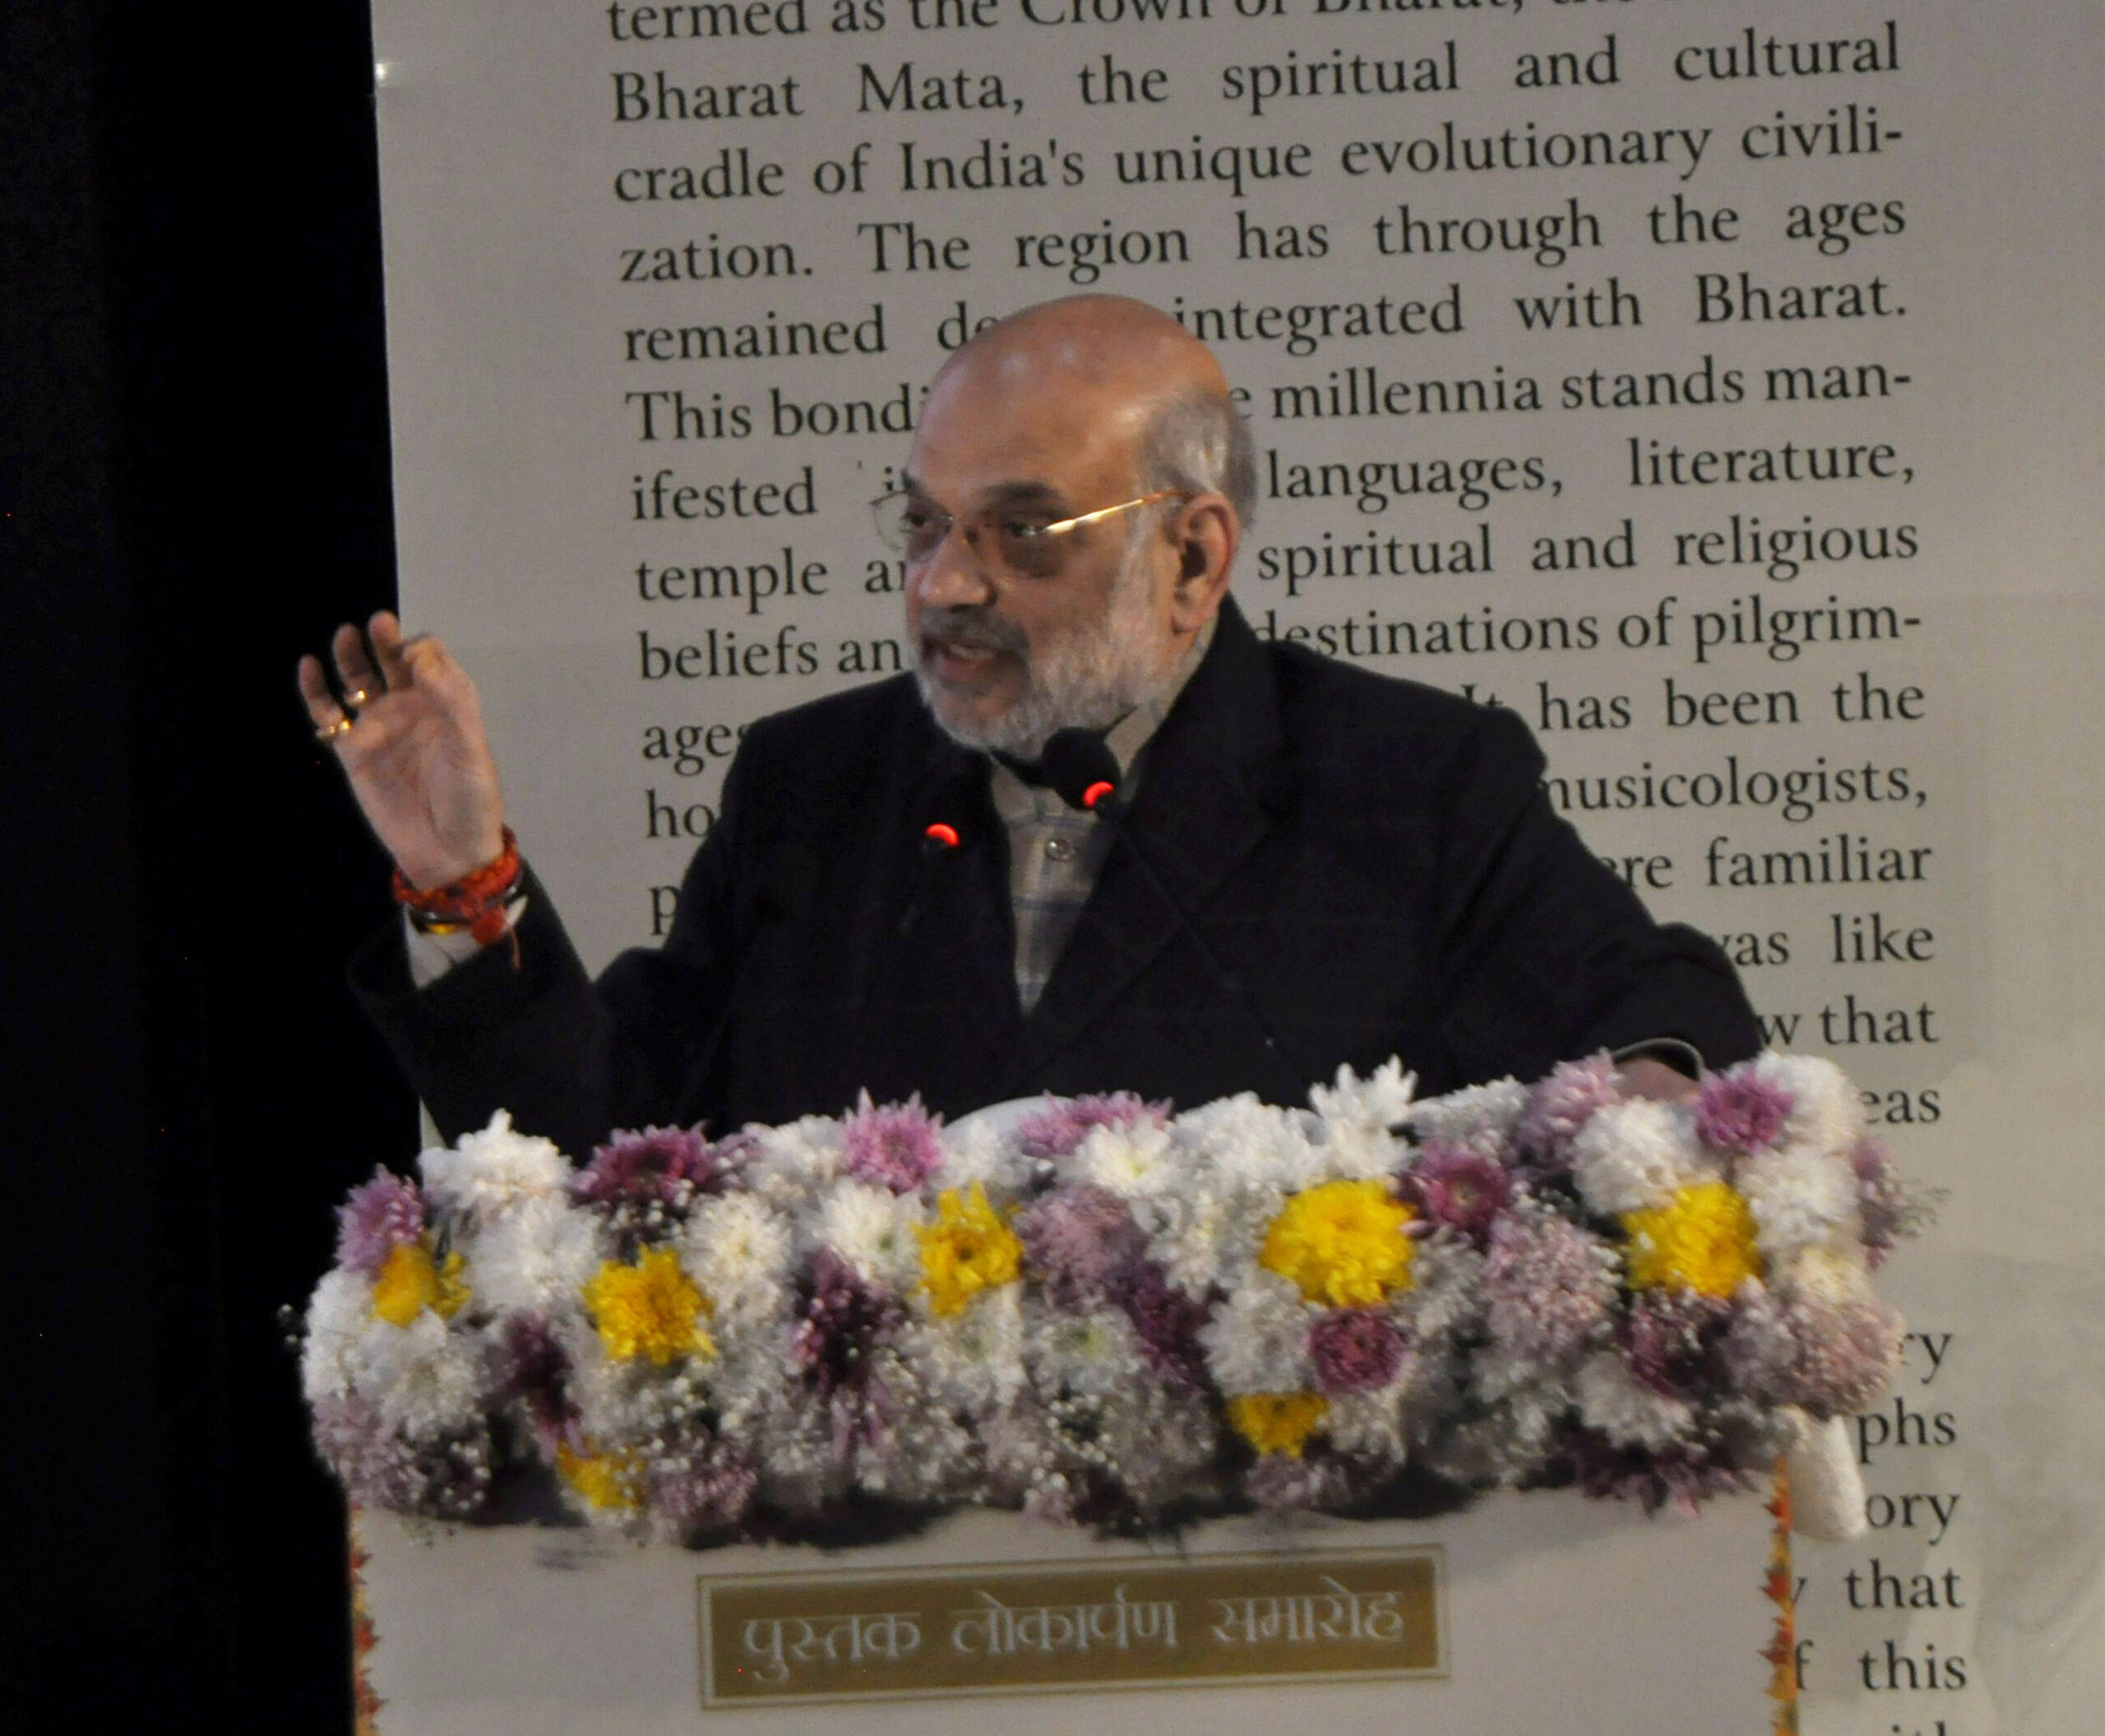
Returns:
(1111, 378)
(1121, 351)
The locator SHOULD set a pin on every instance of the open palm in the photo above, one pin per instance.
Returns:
(412, 745)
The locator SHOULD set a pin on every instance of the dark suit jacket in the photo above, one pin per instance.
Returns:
(1375, 860)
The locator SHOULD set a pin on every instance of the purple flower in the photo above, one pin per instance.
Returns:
(1166, 1324)
(1831, 1358)
(1548, 1285)
(1682, 1475)
(446, 1478)
(532, 1371)
(378, 1217)
(703, 1486)
(843, 1320)
(1559, 1106)
(891, 1147)
(1355, 1350)
(1741, 1111)
(1882, 1203)
(1848, 1352)
(372, 1462)
(1458, 1188)
(1279, 1481)
(1081, 1242)
(1666, 1340)
(1059, 1129)
(664, 1166)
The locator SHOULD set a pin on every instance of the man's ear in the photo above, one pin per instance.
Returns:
(1207, 531)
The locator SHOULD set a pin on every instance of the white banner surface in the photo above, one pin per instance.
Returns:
(1715, 385)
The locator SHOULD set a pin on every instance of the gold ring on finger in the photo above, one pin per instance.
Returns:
(356, 697)
(330, 732)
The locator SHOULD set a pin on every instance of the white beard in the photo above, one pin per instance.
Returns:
(1089, 679)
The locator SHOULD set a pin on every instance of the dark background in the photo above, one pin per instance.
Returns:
(193, 489)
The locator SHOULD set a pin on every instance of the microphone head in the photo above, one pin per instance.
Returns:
(1080, 766)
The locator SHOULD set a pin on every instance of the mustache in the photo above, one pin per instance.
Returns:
(974, 630)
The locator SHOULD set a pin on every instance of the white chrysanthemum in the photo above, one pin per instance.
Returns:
(1368, 1423)
(738, 1251)
(1379, 1101)
(1628, 1413)
(1257, 1341)
(1247, 1144)
(1827, 1112)
(1835, 1274)
(872, 1229)
(1201, 1234)
(794, 1161)
(424, 1378)
(1356, 1151)
(1091, 1352)
(1508, 1442)
(746, 1390)
(1631, 1156)
(1446, 1292)
(976, 1149)
(1801, 1198)
(535, 1258)
(598, 1385)
(1478, 1118)
(972, 1359)
(1499, 1374)
(493, 1171)
(1131, 1161)
(337, 1316)
(625, 1402)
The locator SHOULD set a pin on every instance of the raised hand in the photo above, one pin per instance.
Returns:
(408, 732)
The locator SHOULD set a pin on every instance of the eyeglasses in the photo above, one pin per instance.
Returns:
(1007, 539)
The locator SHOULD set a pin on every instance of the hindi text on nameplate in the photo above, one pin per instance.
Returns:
(1039, 1628)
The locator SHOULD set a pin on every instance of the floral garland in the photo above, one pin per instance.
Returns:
(1102, 1314)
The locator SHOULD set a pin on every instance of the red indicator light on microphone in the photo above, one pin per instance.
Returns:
(1097, 792)
(943, 836)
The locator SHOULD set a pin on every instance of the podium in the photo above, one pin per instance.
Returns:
(1062, 1315)
(1535, 1612)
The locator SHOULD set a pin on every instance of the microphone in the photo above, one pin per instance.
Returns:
(936, 839)
(1084, 772)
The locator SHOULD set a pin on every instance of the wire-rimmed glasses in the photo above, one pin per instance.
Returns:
(1005, 538)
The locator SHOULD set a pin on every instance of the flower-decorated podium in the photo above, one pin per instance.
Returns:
(858, 1421)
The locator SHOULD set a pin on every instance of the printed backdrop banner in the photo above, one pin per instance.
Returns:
(1713, 384)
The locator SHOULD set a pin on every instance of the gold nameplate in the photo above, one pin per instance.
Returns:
(792, 1638)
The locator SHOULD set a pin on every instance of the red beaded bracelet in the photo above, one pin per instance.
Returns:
(475, 901)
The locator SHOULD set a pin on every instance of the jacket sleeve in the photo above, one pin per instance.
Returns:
(1544, 954)
(570, 1058)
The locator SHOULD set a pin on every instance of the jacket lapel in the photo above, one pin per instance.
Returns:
(1211, 789)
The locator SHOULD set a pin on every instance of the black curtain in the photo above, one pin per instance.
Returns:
(193, 489)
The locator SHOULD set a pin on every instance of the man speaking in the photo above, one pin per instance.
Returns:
(1289, 865)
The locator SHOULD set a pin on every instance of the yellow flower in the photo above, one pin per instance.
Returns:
(1342, 1244)
(609, 1481)
(1277, 1422)
(967, 1250)
(410, 1281)
(1702, 1240)
(651, 1309)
